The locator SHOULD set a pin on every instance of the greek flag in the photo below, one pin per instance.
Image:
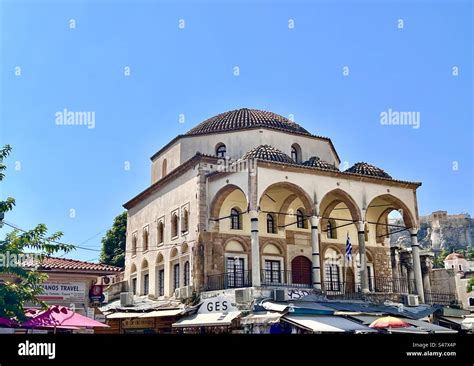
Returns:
(348, 248)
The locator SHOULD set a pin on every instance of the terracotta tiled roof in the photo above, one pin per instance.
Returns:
(58, 264)
(268, 153)
(316, 162)
(454, 256)
(367, 169)
(240, 119)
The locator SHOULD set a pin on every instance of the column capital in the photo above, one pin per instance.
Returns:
(360, 225)
(414, 231)
(315, 220)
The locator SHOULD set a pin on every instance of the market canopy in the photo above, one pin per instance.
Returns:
(416, 326)
(61, 317)
(327, 324)
(207, 320)
(161, 313)
(264, 317)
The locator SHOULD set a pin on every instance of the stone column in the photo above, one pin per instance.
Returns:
(315, 253)
(426, 266)
(253, 210)
(395, 261)
(415, 252)
(362, 257)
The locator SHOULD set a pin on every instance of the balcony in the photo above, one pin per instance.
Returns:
(237, 279)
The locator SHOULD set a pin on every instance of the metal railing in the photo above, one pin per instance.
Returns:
(226, 280)
(375, 285)
(285, 279)
(437, 298)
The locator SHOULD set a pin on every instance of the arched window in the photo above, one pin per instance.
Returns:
(235, 222)
(160, 236)
(296, 153)
(331, 229)
(164, 168)
(174, 225)
(145, 278)
(145, 239)
(186, 273)
(300, 219)
(185, 223)
(134, 244)
(221, 150)
(271, 225)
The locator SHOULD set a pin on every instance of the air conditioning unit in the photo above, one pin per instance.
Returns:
(243, 295)
(183, 292)
(278, 295)
(126, 299)
(411, 300)
(107, 280)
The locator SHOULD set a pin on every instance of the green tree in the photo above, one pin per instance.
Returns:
(113, 242)
(470, 285)
(470, 254)
(22, 285)
(439, 259)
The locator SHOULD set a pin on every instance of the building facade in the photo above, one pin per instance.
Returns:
(249, 198)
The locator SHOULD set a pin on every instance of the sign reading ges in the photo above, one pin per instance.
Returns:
(218, 304)
(73, 291)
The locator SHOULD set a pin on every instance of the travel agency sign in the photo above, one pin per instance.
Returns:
(70, 291)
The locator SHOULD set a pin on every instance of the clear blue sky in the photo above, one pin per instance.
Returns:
(288, 71)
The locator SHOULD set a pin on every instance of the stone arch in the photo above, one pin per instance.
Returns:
(221, 196)
(332, 198)
(272, 248)
(393, 203)
(239, 240)
(160, 258)
(133, 268)
(174, 253)
(296, 192)
(144, 265)
(184, 248)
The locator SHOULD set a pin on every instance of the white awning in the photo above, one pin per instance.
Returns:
(161, 313)
(468, 323)
(207, 320)
(264, 317)
(324, 324)
(273, 306)
(119, 315)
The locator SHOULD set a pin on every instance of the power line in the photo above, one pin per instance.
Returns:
(52, 241)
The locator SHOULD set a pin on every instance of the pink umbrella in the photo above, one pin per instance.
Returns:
(6, 322)
(61, 317)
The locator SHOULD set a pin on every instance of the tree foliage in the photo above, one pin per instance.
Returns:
(113, 242)
(22, 285)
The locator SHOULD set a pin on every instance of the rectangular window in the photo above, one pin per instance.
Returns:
(332, 277)
(134, 286)
(235, 272)
(161, 282)
(176, 276)
(272, 271)
(186, 273)
(145, 284)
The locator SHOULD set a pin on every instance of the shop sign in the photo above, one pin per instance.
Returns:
(71, 291)
(134, 323)
(218, 304)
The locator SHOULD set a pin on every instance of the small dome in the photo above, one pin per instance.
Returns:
(268, 153)
(241, 119)
(454, 256)
(316, 162)
(367, 169)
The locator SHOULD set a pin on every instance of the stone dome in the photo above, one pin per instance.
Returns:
(316, 162)
(268, 153)
(244, 118)
(367, 169)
